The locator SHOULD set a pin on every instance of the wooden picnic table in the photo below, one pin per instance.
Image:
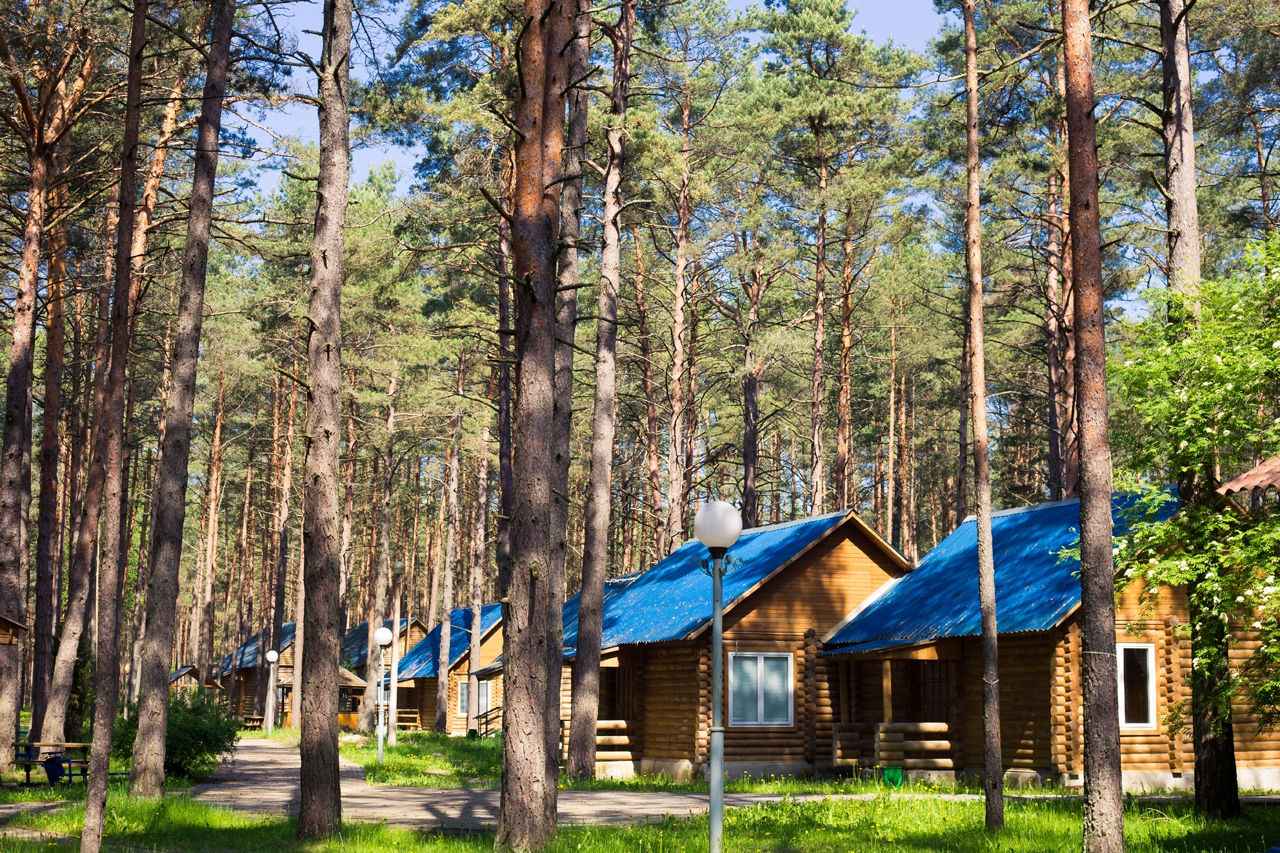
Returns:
(29, 752)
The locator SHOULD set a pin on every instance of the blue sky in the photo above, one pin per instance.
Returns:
(910, 23)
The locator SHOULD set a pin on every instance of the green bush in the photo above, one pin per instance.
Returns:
(201, 732)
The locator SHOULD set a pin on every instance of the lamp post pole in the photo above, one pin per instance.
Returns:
(383, 638)
(272, 657)
(717, 526)
(717, 699)
(397, 575)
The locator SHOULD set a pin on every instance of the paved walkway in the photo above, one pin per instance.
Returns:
(263, 779)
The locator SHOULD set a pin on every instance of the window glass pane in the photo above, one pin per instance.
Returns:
(484, 696)
(464, 690)
(777, 693)
(1136, 666)
(744, 684)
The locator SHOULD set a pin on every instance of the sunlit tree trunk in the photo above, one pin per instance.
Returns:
(992, 758)
(452, 532)
(1103, 797)
(320, 813)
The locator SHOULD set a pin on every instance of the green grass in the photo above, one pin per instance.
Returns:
(878, 825)
(430, 760)
(288, 737)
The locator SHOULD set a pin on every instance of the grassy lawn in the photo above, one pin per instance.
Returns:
(430, 760)
(879, 825)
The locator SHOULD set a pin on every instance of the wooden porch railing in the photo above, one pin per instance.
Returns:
(914, 746)
(490, 722)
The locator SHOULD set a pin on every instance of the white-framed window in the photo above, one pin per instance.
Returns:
(761, 689)
(464, 692)
(1137, 685)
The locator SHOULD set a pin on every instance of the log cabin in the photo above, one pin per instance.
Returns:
(10, 629)
(239, 673)
(905, 669)
(188, 678)
(419, 673)
(785, 585)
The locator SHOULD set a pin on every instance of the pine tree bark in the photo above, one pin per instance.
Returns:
(1217, 794)
(41, 125)
(566, 320)
(585, 699)
(169, 499)
(479, 553)
(348, 509)
(652, 460)
(107, 666)
(1103, 792)
(320, 813)
(676, 510)
(845, 489)
(47, 524)
(527, 817)
(992, 758)
(276, 628)
(450, 556)
(368, 707)
(817, 385)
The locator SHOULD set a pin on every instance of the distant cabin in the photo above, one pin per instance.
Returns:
(785, 586)
(905, 670)
(9, 631)
(188, 678)
(419, 672)
(240, 672)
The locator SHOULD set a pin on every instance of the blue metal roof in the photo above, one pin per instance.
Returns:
(673, 599)
(1035, 587)
(355, 645)
(247, 654)
(421, 661)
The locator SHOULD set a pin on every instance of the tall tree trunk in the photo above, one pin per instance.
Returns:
(962, 464)
(320, 813)
(1053, 336)
(845, 487)
(586, 665)
(817, 392)
(891, 476)
(1217, 788)
(450, 557)
(679, 298)
(479, 553)
(13, 558)
(202, 633)
(527, 818)
(47, 525)
(276, 628)
(506, 476)
(1103, 787)
(107, 668)
(434, 559)
(368, 706)
(566, 318)
(752, 368)
(169, 498)
(348, 510)
(652, 464)
(992, 758)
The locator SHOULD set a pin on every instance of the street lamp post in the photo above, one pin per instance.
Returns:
(397, 575)
(717, 525)
(272, 657)
(382, 637)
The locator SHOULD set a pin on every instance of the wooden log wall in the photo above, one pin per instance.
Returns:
(671, 701)
(1026, 725)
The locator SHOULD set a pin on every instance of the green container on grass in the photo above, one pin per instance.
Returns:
(893, 777)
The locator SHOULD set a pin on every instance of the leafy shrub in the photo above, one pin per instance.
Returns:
(201, 732)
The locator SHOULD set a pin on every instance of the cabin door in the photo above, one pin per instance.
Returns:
(935, 691)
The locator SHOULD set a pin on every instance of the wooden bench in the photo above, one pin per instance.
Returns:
(407, 718)
(29, 756)
(252, 723)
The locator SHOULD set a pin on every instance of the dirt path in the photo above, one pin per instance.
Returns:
(264, 779)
